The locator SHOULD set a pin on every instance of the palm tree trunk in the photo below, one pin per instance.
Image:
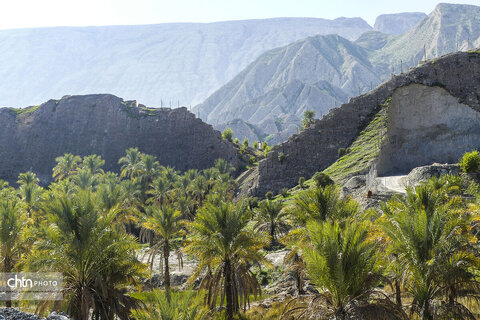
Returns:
(166, 254)
(426, 312)
(7, 268)
(272, 234)
(229, 289)
(398, 293)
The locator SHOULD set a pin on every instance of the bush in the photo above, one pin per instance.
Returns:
(281, 157)
(470, 161)
(252, 160)
(301, 182)
(236, 141)
(342, 152)
(269, 195)
(264, 145)
(284, 192)
(245, 143)
(227, 134)
(322, 180)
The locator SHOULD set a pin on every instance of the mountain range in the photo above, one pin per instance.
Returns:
(323, 71)
(165, 64)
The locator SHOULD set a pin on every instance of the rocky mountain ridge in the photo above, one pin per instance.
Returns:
(315, 148)
(169, 64)
(105, 125)
(322, 72)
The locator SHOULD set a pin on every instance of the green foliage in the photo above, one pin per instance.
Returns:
(308, 118)
(187, 305)
(269, 195)
(252, 160)
(281, 157)
(341, 152)
(224, 244)
(245, 142)
(236, 141)
(322, 179)
(359, 156)
(470, 161)
(227, 134)
(271, 219)
(301, 182)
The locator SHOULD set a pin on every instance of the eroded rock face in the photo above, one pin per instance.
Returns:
(105, 125)
(316, 148)
(426, 125)
(396, 24)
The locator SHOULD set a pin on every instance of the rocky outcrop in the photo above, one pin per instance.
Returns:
(426, 125)
(398, 23)
(105, 125)
(423, 173)
(317, 147)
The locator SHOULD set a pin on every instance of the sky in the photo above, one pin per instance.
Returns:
(45, 13)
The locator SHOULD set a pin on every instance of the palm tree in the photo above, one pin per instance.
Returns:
(270, 218)
(186, 305)
(12, 224)
(431, 238)
(130, 163)
(160, 191)
(66, 166)
(96, 256)
(225, 244)
(308, 118)
(314, 204)
(164, 225)
(149, 169)
(342, 261)
(319, 204)
(93, 164)
(29, 191)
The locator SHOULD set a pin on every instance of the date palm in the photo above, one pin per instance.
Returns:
(93, 164)
(270, 218)
(342, 261)
(225, 245)
(30, 192)
(162, 228)
(66, 166)
(12, 224)
(430, 234)
(96, 256)
(130, 163)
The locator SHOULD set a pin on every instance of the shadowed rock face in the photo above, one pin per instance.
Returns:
(317, 147)
(104, 125)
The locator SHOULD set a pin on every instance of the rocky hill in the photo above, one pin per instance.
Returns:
(322, 72)
(105, 125)
(174, 62)
(398, 23)
(432, 115)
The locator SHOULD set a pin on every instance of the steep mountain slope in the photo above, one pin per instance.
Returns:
(105, 125)
(450, 27)
(321, 72)
(315, 73)
(398, 23)
(176, 62)
(433, 115)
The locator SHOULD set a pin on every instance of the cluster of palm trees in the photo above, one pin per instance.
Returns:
(415, 257)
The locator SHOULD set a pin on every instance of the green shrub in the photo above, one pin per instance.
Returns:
(227, 134)
(322, 180)
(236, 141)
(470, 161)
(245, 143)
(284, 192)
(269, 195)
(252, 160)
(264, 145)
(301, 182)
(281, 157)
(342, 152)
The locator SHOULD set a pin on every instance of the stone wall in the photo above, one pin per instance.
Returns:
(316, 148)
(105, 125)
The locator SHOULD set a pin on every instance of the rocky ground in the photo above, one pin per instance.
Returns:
(14, 314)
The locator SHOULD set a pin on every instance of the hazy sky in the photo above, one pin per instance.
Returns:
(42, 13)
